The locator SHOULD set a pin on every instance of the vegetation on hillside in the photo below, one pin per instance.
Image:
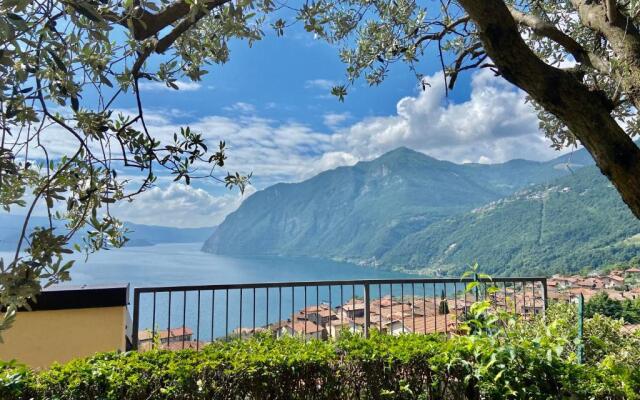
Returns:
(572, 224)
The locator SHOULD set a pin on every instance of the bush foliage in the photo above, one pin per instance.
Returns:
(520, 360)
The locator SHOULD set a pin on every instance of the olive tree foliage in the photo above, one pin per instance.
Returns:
(64, 68)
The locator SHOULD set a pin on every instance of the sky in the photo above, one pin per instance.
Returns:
(272, 105)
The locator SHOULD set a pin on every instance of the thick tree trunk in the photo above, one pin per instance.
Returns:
(586, 113)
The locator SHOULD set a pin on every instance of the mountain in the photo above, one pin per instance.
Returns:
(139, 235)
(576, 222)
(362, 213)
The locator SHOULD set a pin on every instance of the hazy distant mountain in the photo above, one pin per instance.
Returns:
(139, 235)
(364, 212)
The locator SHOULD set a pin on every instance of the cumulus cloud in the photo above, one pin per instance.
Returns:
(180, 205)
(186, 86)
(494, 125)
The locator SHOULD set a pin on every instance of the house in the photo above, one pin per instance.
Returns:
(337, 326)
(354, 309)
(632, 272)
(397, 327)
(442, 323)
(306, 329)
(246, 333)
(613, 281)
(319, 314)
(69, 322)
(180, 334)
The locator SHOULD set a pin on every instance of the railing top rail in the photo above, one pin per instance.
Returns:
(263, 285)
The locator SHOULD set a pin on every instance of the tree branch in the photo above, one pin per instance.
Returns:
(147, 24)
(562, 94)
(548, 30)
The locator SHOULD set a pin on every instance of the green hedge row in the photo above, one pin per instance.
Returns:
(503, 359)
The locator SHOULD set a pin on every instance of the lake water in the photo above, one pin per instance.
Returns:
(185, 264)
(210, 315)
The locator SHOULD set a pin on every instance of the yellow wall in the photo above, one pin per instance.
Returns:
(38, 338)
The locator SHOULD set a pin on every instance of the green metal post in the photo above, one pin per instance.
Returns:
(475, 278)
(580, 349)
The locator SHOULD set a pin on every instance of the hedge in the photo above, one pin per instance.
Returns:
(518, 361)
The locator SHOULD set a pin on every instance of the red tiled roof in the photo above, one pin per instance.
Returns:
(174, 332)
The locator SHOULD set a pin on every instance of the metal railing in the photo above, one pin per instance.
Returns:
(178, 317)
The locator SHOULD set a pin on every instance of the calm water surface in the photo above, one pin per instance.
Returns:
(185, 264)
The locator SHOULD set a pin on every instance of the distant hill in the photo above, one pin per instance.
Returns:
(392, 211)
(139, 235)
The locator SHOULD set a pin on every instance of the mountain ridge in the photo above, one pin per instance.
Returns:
(363, 212)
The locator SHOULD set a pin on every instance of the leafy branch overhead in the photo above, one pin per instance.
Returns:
(65, 67)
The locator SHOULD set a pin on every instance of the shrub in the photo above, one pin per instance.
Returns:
(501, 358)
(487, 366)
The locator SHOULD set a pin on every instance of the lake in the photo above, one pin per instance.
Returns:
(185, 264)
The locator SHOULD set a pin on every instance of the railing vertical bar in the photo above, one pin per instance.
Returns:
(402, 306)
(533, 295)
(136, 319)
(391, 310)
(424, 307)
(413, 308)
(168, 322)
(266, 318)
(504, 293)
(293, 310)
(435, 310)
(516, 291)
(330, 317)
(367, 310)
(545, 299)
(198, 325)
(184, 316)
(446, 310)
(279, 309)
(153, 322)
(213, 313)
(240, 321)
(226, 315)
(341, 307)
(353, 304)
(466, 302)
(305, 312)
(254, 311)
(380, 306)
(318, 319)
(455, 302)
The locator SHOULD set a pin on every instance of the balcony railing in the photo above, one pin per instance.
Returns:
(178, 317)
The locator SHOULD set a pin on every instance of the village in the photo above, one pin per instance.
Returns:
(420, 314)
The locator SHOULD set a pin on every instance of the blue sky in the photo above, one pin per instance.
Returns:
(272, 105)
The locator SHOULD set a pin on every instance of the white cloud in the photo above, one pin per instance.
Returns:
(185, 86)
(333, 120)
(241, 107)
(324, 84)
(179, 205)
(494, 125)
